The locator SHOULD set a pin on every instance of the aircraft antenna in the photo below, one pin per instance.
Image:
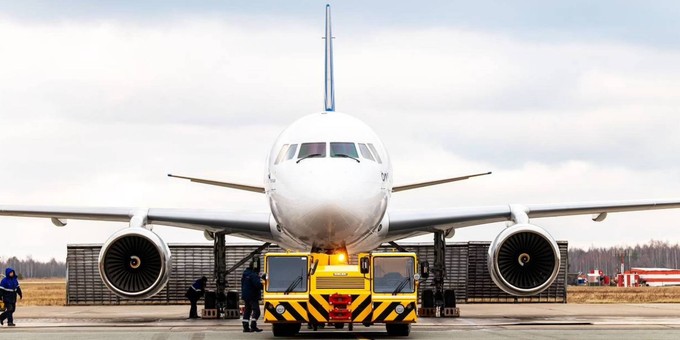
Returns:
(329, 98)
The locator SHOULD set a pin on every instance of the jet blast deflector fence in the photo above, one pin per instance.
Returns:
(466, 272)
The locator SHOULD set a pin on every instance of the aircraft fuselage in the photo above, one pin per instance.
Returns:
(328, 181)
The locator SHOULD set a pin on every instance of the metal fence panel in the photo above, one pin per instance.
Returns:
(466, 273)
(481, 289)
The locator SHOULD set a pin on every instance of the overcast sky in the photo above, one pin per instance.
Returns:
(563, 101)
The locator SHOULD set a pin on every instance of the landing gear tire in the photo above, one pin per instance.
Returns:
(449, 298)
(398, 329)
(428, 298)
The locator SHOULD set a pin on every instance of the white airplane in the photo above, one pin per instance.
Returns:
(328, 180)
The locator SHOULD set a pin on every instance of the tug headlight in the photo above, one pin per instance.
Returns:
(399, 309)
(280, 309)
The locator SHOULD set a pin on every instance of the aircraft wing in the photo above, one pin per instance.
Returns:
(410, 223)
(252, 225)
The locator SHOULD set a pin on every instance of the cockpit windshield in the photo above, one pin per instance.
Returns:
(344, 150)
(287, 152)
(375, 153)
(282, 153)
(365, 152)
(308, 150)
(291, 151)
(337, 149)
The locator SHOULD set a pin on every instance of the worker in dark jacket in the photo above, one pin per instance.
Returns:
(9, 287)
(251, 290)
(194, 293)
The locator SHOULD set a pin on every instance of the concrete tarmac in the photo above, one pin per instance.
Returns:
(478, 321)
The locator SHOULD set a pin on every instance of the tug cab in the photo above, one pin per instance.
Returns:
(320, 289)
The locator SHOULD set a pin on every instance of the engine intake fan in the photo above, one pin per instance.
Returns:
(134, 263)
(524, 260)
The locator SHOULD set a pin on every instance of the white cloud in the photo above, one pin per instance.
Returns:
(96, 113)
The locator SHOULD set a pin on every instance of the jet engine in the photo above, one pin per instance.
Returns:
(524, 260)
(134, 263)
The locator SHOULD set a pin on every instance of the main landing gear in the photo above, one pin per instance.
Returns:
(228, 303)
(439, 302)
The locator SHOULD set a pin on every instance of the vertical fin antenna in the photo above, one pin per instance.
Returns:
(329, 98)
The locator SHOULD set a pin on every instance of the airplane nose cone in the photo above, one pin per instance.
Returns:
(330, 211)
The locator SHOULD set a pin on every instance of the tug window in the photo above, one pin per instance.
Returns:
(287, 273)
(392, 273)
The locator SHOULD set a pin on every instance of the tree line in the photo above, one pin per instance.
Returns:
(655, 254)
(30, 268)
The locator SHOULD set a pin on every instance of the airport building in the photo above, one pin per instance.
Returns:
(466, 270)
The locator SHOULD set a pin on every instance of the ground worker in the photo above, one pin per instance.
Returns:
(194, 293)
(9, 287)
(251, 291)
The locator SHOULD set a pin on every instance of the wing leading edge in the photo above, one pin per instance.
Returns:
(401, 223)
(252, 225)
(409, 223)
(232, 185)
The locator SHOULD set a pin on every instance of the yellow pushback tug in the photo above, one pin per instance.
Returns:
(324, 289)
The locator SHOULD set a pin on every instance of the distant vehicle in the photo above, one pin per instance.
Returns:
(658, 277)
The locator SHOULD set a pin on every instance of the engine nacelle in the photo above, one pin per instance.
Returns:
(135, 263)
(524, 260)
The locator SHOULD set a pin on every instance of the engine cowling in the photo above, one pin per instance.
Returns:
(135, 263)
(524, 260)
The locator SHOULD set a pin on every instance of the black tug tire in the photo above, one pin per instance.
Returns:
(286, 329)
(398, 329)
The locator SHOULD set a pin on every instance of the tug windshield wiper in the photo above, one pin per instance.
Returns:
(293, 284)
(401, 285)
(309, 156)
(344, 155)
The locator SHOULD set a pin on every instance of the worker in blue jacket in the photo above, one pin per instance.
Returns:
(9, 287)
(251, 291)
(194, 293)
